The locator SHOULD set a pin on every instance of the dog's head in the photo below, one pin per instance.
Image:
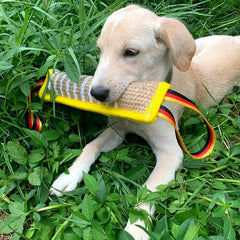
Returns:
(137, 45)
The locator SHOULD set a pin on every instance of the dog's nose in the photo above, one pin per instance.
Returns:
(100, 93)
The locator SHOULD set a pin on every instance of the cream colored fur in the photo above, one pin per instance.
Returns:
(163, 44)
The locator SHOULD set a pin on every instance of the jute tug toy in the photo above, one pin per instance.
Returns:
(141, 102)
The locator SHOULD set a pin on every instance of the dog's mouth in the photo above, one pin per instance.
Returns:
(112, 94)
(108, 95)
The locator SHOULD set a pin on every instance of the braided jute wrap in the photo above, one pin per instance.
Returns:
(139, 102)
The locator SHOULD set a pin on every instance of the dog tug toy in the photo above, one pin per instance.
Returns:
(141, 102)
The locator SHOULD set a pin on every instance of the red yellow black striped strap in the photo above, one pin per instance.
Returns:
(167, 115)
(34, 122)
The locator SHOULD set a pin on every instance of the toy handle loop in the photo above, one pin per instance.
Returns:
(165, 113)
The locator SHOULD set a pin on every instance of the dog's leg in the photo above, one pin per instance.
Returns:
(105, 142)
(169, 157)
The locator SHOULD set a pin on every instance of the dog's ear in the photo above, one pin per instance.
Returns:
(178, 39)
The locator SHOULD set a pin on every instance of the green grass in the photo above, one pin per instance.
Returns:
(202, 203)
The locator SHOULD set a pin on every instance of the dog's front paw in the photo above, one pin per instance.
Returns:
(137, 232)
(67, 182)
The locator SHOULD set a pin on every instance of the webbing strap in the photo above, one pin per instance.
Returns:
(34, 123)
(167, 115)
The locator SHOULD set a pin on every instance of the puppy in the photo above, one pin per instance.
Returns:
(137, 45)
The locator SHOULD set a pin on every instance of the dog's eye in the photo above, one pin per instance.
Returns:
(131, 53)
